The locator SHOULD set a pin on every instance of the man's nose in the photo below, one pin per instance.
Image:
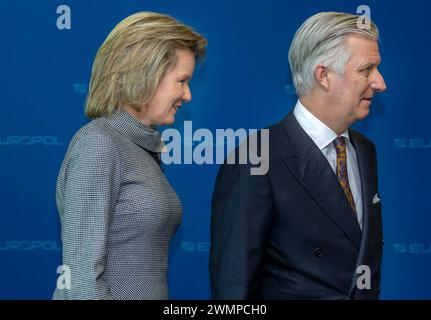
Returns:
(378, 82)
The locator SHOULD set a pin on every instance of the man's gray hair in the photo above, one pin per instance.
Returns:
(321, 40)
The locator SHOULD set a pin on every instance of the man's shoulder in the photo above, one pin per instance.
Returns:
(281, 123)
(263, 142)
(362, 139)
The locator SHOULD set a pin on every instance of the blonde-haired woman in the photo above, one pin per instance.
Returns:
(118, 212)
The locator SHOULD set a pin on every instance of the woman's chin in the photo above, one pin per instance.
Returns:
(169, 121)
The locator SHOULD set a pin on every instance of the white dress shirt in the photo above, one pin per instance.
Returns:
(323, 137)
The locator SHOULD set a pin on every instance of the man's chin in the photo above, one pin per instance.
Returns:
(363, 114)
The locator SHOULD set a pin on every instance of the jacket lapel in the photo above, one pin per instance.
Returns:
(313, 171)
(366, 177)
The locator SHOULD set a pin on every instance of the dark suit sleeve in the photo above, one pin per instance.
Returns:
(240, 223)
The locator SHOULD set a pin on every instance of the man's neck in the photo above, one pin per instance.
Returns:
(319, 108)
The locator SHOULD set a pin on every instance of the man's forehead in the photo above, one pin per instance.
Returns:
(361, 61)
(363, 50)
(360, 42)
(372, 58)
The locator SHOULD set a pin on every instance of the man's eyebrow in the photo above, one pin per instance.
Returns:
(369, 64)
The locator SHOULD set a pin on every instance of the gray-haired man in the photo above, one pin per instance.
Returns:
(311, 227)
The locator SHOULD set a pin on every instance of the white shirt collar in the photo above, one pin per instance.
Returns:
(319, 132)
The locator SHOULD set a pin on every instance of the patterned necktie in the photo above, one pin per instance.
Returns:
(343, 178)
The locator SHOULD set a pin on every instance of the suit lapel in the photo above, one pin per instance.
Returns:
(365, 174)
(366, 177)
(313, 171)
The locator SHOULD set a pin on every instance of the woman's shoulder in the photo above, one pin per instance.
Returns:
(95, 136)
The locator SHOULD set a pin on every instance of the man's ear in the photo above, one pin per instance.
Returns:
(321, 76)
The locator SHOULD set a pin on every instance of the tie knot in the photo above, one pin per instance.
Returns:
(340, 146)
(340, 141)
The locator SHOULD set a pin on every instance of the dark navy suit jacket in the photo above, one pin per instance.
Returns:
(291, 234)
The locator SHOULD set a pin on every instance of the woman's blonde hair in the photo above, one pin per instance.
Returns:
(133, 59)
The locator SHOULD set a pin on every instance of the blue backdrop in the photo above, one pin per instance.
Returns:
(244, 83)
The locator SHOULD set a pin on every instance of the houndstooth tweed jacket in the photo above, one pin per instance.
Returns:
(118, 212)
